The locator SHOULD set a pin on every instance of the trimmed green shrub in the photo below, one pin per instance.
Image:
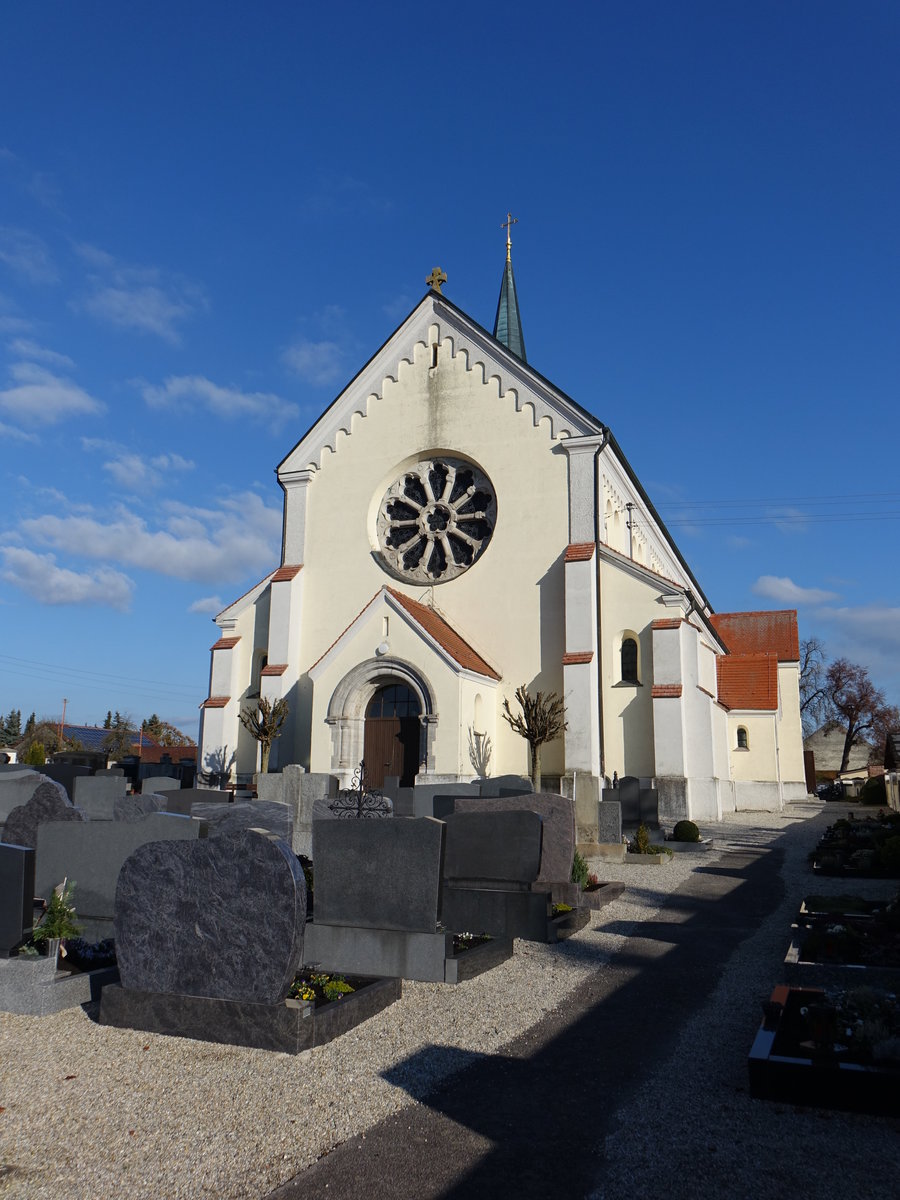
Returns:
(873, 792)
(686, 831)
(35, 755)
(579, 870)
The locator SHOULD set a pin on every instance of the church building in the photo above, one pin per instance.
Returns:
(455, 526)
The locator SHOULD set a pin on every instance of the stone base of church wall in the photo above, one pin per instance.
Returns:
(794, 791)
(683, 799)
(757, 796)
(703, 800)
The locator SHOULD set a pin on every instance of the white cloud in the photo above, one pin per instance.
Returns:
(139, 475)
(39, 577)
(226, 402)
(785, 591)
(141, 298)
(27, 255)
(318, 363)
(8, 431)
(26, 348)
(239, 537)
(207, 605)
(42, 397)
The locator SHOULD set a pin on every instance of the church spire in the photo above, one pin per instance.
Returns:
(507, 323)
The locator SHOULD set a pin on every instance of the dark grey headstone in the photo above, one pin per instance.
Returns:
(649, 806)
(500, 847)
(225, 819)
(506, 785)
(49, 803)
(180, 801)
(443, 806)
(16, 894)
(629, 790)
(66, 774)
(610, 819)
(425, 796)
(379, 874)
(222, 917)
(558, 816)
(91, 855)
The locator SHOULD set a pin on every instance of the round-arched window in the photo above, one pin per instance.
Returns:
(394, 700)
(436, 520)
(629, 660)
(743, 740)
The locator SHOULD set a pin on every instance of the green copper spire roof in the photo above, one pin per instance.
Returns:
(507, 323)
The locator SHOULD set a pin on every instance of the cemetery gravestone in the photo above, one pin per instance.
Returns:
(160, 783)
(16, 895)
(49, 803)
(16, 789)
(66, 774)
(226, 819)
(96, 796)
(629, 797)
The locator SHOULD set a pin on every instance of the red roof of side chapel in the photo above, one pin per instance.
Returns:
(760, 633)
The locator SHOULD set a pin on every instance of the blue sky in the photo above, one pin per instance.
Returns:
(211, 216)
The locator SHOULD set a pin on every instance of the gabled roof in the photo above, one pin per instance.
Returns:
(760, 633)
(431, 625)
(445, 635)
(748, 681)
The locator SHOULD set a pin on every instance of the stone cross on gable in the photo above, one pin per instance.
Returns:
(436, 278)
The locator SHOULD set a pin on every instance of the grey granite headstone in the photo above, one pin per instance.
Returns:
(110, 771)
(135, 808)
(91, 855)
(16, 789)
(379, 874)
(180, 801)
(96, 795)
(304, 793)
(160, 783)
(558, 815)
(495, 847)
(225, 819)
(610, 819)
(629, 790)
(649, 807)
(16, 894)
(49, 803)
(425, 795)
(223, 917)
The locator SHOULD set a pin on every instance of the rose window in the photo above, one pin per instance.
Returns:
(436, 520)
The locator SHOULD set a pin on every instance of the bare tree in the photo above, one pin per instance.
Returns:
(542, 720)
(121, 737)
(264, 724)
(858, 707)
(813, 695)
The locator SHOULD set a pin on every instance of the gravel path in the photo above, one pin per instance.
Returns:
(88, 1111)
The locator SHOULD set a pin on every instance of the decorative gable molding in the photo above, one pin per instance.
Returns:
(436, 322)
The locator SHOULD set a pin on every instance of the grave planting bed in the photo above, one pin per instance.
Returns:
(562, 925)
(33, 987)
(468, 962)
(802, 1053)
(863, 849)
(600, 894)
(290, 1027)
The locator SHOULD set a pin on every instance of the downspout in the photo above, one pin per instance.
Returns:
(604, 443)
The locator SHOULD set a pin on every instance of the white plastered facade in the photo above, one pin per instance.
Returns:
(576, 561)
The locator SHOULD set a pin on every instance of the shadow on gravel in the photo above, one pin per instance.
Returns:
(528, 1122)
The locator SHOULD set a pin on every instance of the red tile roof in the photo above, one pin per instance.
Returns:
(666, 623)
(748, 681)
(580, 656)
(286, 573)
(274, 669)
(760, 633)
(445, 635)
(225, 643)
(215, 702)
(666, 691)
(579, 551)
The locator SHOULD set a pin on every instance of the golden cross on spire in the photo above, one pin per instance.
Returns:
(435, 279)
(507, 225)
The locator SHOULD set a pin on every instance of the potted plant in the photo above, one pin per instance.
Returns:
(57, 922)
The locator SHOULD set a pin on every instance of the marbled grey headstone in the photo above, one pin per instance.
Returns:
(66, 774)
(90, 855)
(160, 783)
(16, 789)
(49, 803)
(499, 847)
(96, 795)
(223, 917)
(135, 808)
(610, 819)
(379, 874)
(629, 790)
(16, 894)
(246, 814)
(506, 785)
(558, 815)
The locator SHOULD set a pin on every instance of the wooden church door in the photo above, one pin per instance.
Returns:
(391, 742)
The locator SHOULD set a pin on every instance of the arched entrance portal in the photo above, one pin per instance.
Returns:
(391, 738)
